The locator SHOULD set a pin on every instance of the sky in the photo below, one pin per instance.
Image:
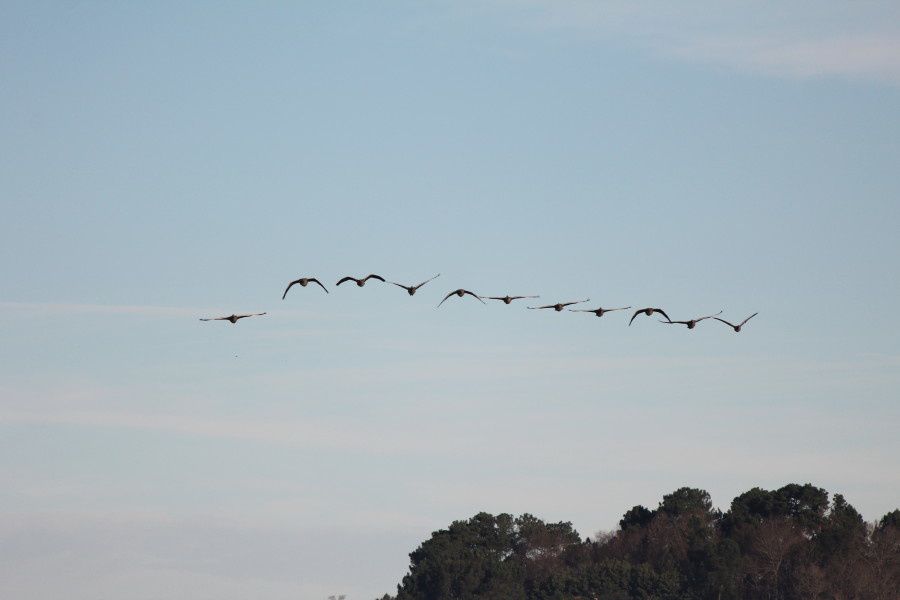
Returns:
(165, 162)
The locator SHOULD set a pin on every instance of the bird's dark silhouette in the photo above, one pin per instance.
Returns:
(234, 318)
(508, 299)
(648, 312)
(600, 311)
(692, 322)
(361, 282)
(559, 305)
(303, 281)
(412, 289)
(461, 292)
(737, 328)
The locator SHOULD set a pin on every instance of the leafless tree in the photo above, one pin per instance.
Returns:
(772, 543)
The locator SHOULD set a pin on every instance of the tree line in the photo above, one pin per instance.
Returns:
(786, 544)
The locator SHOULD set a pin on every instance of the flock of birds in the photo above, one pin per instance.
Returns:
(558, 307)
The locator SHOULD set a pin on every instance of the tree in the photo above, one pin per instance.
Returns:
(784, 544)
(541, 548)
(803, 504)
(883, 554)
(637, 516)
(892, 519)
(685, 501)
(773, 541)
(467, 560)
(842, 531)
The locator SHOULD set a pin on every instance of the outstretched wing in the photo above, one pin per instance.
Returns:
(290, 285)
(726, 322)
(374, 276)
(540, 307)
(320, 284)
(426, 281)
(748, 318)
(405, 287)
(249, 315)
(445, 298)
(635, 315)
(662, 312)
(343, 279)
(474, 295)
(575, 302)
(708, 317)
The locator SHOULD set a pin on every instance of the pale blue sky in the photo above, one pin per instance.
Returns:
(162, 163)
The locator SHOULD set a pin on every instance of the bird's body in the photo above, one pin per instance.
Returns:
(508, 299)
(559, 305)
(412, 289)
(692, 322)
(361, 282)
(234, 318)
(600, 311)
(303, 281)
(461, 292)
(648, 312)
(737, 328)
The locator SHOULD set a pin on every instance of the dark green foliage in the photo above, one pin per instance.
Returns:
(785, 544)
(614, 579)
(638, 516)
(686, 501)
(892, 519)
(804, 504)
(842, 531)
(468, 560)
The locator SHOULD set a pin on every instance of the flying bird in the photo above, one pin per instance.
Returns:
(303, 281)
(692, 323)
(648, 312)
(508, 299)
(598, 311)
(559, 305)
(461, 292)
(361, 282)
(411, 289)
(737, 328)
(234, 318)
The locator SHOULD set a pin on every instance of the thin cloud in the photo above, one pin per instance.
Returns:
(864, 56)
(70, 309)
(57, 309)
(314, 434)
(280, 432)
(847, 40)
